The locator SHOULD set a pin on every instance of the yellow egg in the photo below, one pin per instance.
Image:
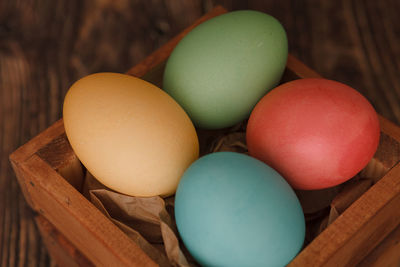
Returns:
(131, 135)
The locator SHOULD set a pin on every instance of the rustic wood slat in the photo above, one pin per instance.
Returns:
(386, 254)
(61, 250)
(63, 205)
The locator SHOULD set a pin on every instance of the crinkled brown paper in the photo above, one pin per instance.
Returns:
(150, 223)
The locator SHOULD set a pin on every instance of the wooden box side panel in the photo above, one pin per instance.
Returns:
(18, 157)
(59, 248)
(359, 229)
(386, 254)
(75, 217)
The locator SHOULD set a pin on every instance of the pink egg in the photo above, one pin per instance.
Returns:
(317, 133)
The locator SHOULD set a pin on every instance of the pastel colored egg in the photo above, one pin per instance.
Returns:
(131, 135)
(316, 133)
(219, 71)
(234, 210)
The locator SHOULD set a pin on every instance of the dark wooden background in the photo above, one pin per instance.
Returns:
(46, 45)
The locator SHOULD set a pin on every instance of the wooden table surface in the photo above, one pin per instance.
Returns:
(46, 45)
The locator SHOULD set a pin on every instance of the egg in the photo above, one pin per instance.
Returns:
(132, 136)
(234, 210)
(219, 71)
(317, 133)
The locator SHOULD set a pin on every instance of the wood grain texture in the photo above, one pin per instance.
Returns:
(46, 45)
(60, 249)
(387, 254)
(63, 206)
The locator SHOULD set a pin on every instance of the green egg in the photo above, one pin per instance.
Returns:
(220, 70)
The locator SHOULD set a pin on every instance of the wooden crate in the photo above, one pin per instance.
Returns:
(77, 234)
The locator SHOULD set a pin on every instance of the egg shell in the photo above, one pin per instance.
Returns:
(222, 68)
(132, 136)
(317, 133)
(234, 210)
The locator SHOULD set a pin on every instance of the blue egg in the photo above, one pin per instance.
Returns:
(234, 210)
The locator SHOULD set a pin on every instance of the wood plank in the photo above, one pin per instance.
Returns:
(94, 235)
(359, 229)
(60, 249)
(386, 254)
(27, 150)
